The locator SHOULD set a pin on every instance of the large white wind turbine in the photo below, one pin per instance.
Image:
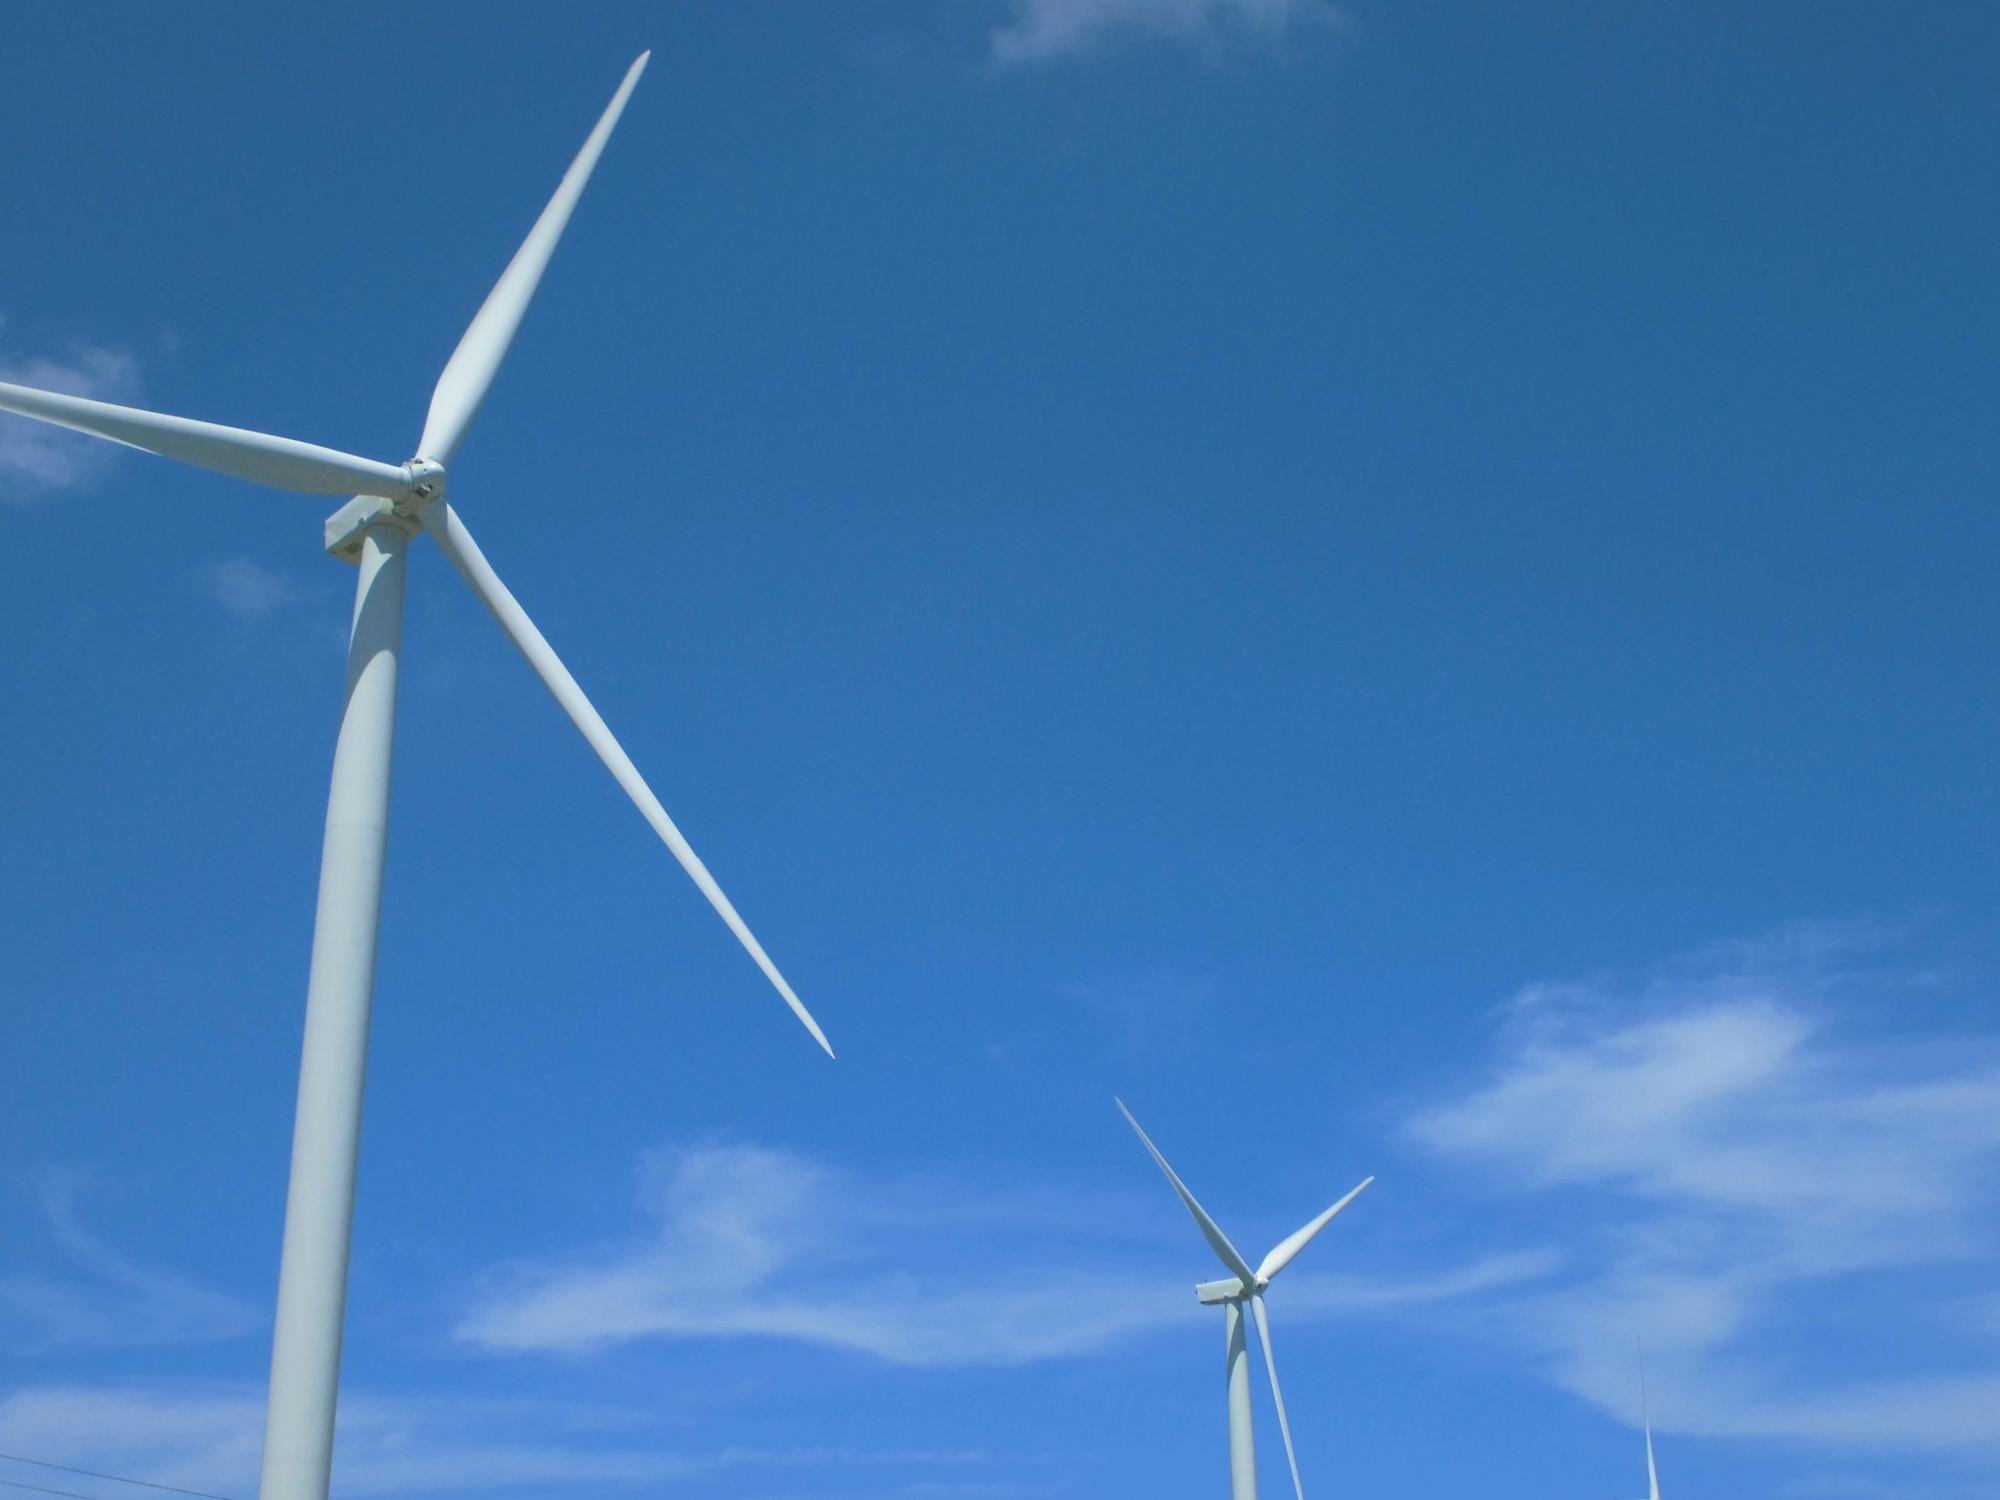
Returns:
(1241, 1286)
(394, 502)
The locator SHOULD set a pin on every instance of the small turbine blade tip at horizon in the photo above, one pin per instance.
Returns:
(444, 525)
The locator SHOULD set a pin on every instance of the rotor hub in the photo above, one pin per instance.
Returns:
(426, 479)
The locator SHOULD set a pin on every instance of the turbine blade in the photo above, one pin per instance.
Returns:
(443, 524)
(1298, 1239)
(1277, 1395)
(470, 371)
(1646, 1415)
(255, 456)
(1218, 1241)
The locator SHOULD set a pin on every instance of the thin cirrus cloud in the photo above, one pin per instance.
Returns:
(748, 1241)
(245, 588)
(1050, 30)
(103, 1300)
(1734, 1164)
(1150, 1014)
(37, 459)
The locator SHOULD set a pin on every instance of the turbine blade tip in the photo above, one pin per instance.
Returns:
(806, 1020)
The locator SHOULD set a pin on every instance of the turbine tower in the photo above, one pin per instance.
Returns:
(1241, 1286)
(393, 503)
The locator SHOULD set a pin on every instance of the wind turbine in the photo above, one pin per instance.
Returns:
(1646, 1416)
(1241, 1286)
(393, 503)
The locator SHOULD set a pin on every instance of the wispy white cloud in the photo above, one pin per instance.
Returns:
(1045, 30)
(1735, 1163)
(1848, 1486)
(105, 1300)
(36, 458)
(209, 1437)
(1149, 1014)
(750, 1241)
(1309, 1294)
(248, 590)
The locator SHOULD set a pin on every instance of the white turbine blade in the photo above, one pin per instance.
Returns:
(255, 456)
(1646, 1414)
(1298, 1239)
(443, 523)
(473, 364)
(1277, 1395)
(1218, 1241)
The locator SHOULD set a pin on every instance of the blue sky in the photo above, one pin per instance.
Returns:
(1407, 588)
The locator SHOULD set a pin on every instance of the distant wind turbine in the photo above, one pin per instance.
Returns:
(1245, 1285)
(394, 502)
(1646, 1416)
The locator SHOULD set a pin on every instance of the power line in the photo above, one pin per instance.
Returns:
(43, 1463)
(42, 1489)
